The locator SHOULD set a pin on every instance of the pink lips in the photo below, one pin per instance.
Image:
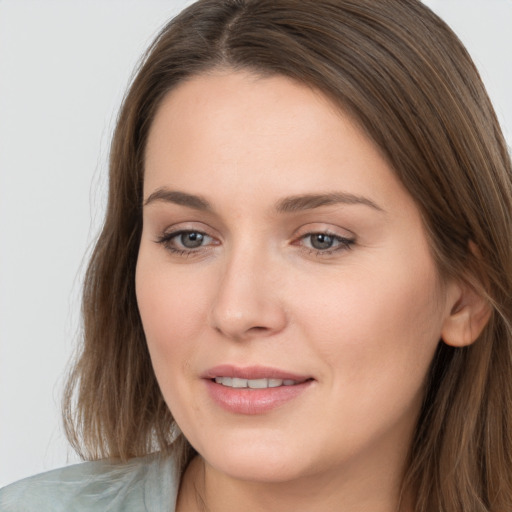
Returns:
(253, 401)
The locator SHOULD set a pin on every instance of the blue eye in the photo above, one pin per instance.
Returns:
(188, 242)
(183, 242)
(325, 242)
(191, 239)
(321, 241)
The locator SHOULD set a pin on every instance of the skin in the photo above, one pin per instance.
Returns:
(363, 321)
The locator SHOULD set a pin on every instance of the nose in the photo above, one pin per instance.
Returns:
(248, 301)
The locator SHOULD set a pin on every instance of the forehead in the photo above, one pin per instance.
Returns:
(243, 102)
(227, 132)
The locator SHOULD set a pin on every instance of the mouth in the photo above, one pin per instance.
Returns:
(254, 390)
(238, 383)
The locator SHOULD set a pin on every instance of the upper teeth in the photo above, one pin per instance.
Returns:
(235, 382)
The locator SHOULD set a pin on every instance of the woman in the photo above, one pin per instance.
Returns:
(301, 296)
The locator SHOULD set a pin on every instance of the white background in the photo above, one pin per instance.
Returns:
(64, 66)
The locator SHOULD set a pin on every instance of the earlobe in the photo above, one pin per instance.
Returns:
(467, 318)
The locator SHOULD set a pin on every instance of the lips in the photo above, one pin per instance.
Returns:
(252, 373)
(253, 390)
(236, 382)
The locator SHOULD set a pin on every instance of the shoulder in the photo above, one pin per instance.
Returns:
(144, 484)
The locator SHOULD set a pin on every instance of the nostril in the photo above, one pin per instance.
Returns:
(240, 316)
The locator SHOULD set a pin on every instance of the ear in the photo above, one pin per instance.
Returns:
(469, 314)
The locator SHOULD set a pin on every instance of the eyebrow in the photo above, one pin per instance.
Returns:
(286, 205)
(311, 201)
(181, 198)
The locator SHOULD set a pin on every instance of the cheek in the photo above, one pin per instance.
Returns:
(173, 313)
(377, 335)
(376, 322)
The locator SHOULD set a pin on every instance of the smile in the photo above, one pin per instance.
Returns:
(255, 389)
(234, 382)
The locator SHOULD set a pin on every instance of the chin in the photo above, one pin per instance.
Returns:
(261, 470)
(257, 461)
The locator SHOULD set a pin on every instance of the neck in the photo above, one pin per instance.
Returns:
(204, 489)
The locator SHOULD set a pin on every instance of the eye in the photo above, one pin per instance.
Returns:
(325, 243)
(191, 239)
(185, 241)
(321, 241)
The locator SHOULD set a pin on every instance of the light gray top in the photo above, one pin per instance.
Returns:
(148, 484)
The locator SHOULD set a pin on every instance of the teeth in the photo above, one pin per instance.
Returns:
(239, 383)
(235, 382)
(225, 381)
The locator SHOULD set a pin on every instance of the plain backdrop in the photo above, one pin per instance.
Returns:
(64, 66)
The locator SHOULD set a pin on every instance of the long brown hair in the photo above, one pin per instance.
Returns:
(409, 82)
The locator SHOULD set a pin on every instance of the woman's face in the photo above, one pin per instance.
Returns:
(288, 295)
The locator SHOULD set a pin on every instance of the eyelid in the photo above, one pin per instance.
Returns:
(176, 234)
(325, 228)
(345, 240)
(187, 227)
(171, 233)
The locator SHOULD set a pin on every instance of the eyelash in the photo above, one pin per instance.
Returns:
(166, 240)
(344, 243)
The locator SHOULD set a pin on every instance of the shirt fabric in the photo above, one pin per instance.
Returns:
(146, 484)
